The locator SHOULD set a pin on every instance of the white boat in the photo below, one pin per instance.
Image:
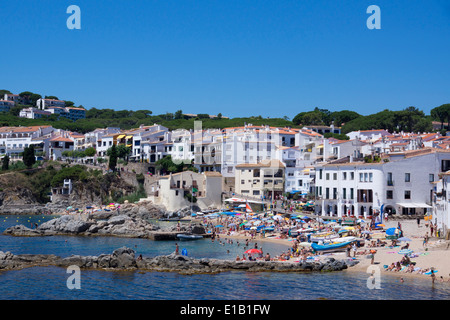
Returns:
(340, 240)
(323, 237)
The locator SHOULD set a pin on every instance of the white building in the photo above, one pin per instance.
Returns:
(33, 113)
(173, 188)
(368, 135)
(400, 183)
(441, 207)
(49, 103)
(16, 139)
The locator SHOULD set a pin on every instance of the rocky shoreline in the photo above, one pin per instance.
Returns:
(124, 259)
(103, 224)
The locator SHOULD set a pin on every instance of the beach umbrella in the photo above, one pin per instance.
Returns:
(404, 239)
(232, 224)
(390, 231)
(253, 251)
(219, 226)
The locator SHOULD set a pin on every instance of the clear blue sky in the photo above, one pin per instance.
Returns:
(237, 57)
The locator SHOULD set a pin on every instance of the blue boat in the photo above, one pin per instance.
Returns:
(330, 247)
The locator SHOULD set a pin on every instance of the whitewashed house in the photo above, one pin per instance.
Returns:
(400, 183)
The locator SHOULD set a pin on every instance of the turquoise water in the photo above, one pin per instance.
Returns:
(50, 283)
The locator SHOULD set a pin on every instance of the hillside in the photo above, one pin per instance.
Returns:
(28, 191)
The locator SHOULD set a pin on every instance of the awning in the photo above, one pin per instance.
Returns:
(414, 205)
(121, 136)
(129, 145)
(128, 137)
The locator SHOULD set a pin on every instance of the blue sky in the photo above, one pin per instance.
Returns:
(237, 57)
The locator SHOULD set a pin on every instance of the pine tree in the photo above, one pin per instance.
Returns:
(28, 156)
(5, 163)
(113, 158)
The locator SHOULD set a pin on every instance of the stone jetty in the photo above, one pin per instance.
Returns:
(125, 259)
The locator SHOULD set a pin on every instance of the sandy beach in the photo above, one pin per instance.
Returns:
(435, 254)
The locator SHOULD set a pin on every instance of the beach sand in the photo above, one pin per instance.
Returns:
(437, 254)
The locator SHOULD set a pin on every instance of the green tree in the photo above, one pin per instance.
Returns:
(122, 151)
(5, 163)
(441, 114)
(51, 97)
(343, 116)
(113, 158)
(90, 152)
(178, 114)
(28, 156)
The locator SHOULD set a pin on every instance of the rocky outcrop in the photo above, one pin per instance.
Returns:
(124, 259)
(115, 225)
(143, 210)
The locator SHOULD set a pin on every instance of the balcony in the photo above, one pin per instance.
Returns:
(390, 183)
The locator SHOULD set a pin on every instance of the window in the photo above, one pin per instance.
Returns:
(351, 194)
(320, 174)
(334, 193)
(370, 177)
(327, 176)
(344, 175)
(431, 177)
(366, 177)
(352, 176)
(407, 194)
(407, 177)
(389, 194)
(361, 177)
(242, 181)
(344, 193)
(389, 179)
(300, 183)
(334, 176)
(327, 193)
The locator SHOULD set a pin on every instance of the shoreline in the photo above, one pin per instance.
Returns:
(435, 254)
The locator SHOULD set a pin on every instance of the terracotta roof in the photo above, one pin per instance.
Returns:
(61, 139)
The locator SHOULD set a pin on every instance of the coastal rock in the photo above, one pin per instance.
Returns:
(124, 259)
(117, 225)
(22, 231)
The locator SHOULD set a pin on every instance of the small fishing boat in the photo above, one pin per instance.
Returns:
(189, 237)
(330, 247)
(323, 237)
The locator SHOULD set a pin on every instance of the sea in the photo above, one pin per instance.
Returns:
(51, 283)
